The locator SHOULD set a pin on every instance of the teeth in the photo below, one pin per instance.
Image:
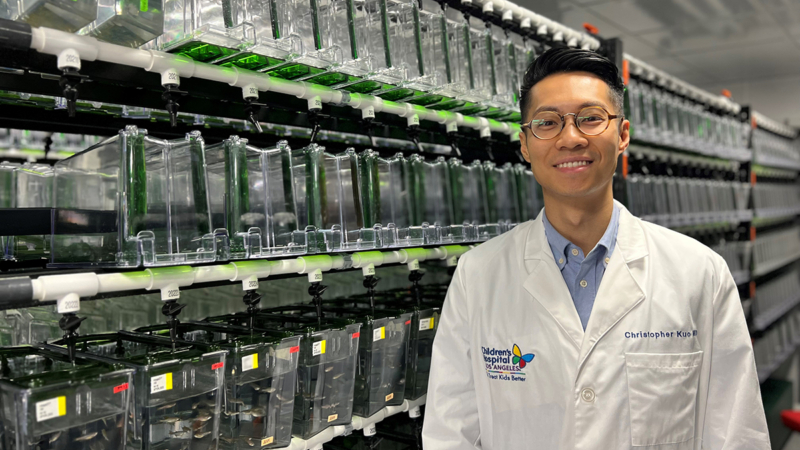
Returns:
(573, 164)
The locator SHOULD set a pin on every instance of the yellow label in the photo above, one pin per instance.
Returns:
(318, 348)
(169, 381)
(332, 417)
(383, 332)
(62, 406)
(250, 362)
(390, 396)
(431, 323)
(267, 441)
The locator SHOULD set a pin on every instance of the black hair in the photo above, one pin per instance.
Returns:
(565, 60)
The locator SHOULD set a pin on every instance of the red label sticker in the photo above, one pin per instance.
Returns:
(408, 322)
(120, 388)
(294, 349)
(218, 365)
(355, 335)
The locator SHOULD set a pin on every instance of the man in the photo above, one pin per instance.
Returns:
(588, 328)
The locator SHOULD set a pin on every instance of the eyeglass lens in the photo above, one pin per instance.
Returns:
(591, 121)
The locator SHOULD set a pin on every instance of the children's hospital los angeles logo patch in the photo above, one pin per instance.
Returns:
(504, 364)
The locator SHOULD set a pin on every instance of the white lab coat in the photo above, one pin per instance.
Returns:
(665, 363)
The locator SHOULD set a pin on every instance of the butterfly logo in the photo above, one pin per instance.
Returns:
(521, 359)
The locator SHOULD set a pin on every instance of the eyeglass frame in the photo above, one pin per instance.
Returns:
(575, 119)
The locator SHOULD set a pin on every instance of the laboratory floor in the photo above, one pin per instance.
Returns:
(793, 443)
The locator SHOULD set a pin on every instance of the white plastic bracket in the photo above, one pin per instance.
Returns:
(488, 7)
(508, 16)
(451, 127)
(414, 412)
(370, 430)
(542, 30)
(413, 264)
(249, 91)
(315, 103)
(69, 303)
(170, 292)
(69, 58)
(368, 270)
(525, 23)
(485, 132)
(170, 77)
(368, 112)
(413, 120)
(250, 283)
(315, 276)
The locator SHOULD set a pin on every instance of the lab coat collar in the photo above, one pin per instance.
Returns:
(619, 292)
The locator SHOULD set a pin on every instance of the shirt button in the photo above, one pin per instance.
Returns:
(587, 395)
(561, 260)
(584, 283)
(607, 259)
(574, 252)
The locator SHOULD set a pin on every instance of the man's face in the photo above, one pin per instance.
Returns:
(569, 93)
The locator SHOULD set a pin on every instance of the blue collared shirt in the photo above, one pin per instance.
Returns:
(583, 274)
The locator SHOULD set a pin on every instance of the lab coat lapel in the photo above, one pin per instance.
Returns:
(621, 288)
(546, 284)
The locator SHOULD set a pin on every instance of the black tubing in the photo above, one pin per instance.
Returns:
(16, 292)
(15, 34)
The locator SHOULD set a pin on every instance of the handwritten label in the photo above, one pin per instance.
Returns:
(161, 383)
(250, 362)
(378, 334)
(49, 409)
(426, 324)
(318, 348)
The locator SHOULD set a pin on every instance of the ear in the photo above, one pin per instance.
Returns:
(624, 136)
(523, 146)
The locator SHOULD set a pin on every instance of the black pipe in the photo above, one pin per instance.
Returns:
(15, 34)
(16, 292)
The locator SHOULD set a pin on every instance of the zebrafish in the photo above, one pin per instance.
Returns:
(105, 435)
(256, 412)
(86, 437)
(201, 435)
(54, 437)
(167, 406)
(170, 420)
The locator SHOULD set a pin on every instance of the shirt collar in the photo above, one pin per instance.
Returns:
(559, 244)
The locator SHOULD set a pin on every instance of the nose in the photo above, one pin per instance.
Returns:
(571, 137)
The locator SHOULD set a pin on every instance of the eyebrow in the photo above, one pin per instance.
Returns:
(555, 109)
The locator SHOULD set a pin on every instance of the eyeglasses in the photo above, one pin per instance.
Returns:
(590, 121)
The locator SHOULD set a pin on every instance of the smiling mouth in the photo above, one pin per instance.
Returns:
(572, 164)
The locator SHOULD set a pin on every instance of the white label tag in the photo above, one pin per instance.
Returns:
(250, 284)
(369, 270)
(48, 409)
(378, 334)
(452, 261)
(315, 276)
(413, 265)
(250, 362)
(170, 293)
(161, 383)
(318, 348)
(415, 412)
(426, 324)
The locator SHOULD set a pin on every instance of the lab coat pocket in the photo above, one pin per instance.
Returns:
(662, 393)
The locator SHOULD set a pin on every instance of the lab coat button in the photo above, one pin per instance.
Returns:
(587, 395)
(561, 260)
(584, 283)
(607, 260)
(574, 252)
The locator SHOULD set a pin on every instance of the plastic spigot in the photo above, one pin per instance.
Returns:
(413, 134)
(370, 281)
(171, 309)
(69, 81)
(489, 148)
(414, 277)
(452, 139)
(315, 291)
(252, 110)
(252, 299)
(171, 95)
(315, 119)
(69, 323)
